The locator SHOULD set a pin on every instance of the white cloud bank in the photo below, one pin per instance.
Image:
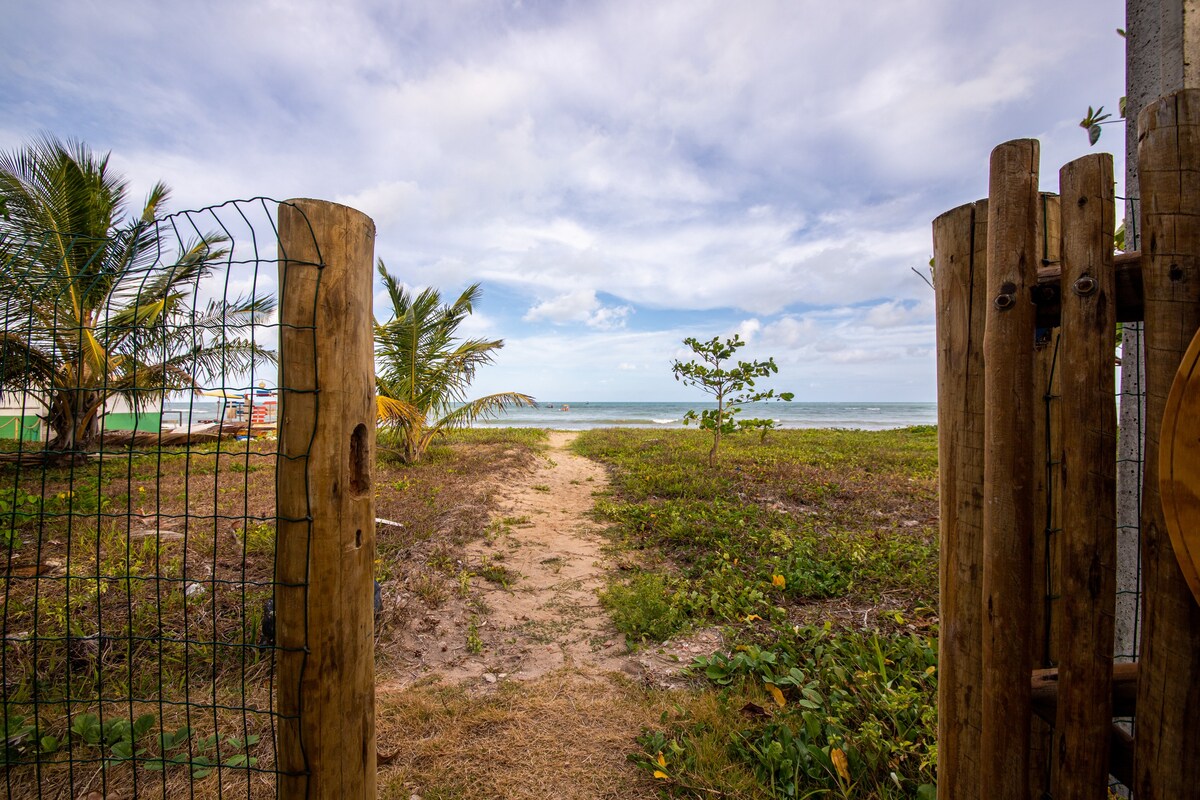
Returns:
(618, 174)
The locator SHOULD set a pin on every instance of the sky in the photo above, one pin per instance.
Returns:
(617, 175)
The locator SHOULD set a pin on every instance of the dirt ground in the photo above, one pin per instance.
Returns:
(519, 685)
(540, 610)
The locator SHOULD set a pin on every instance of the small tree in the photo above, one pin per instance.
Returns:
(729, 385)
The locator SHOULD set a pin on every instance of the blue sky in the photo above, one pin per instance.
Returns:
(618, 175)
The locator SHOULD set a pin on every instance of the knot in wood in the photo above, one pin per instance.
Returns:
(1084, 286)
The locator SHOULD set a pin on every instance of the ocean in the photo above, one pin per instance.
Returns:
(584, 415)
(581, 415)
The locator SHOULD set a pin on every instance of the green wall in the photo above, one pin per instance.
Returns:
(146, 421)
(28, 427)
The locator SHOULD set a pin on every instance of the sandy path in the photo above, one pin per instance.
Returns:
(549, 614)
(534, 579)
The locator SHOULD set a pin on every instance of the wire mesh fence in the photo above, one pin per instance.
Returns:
(138, 449)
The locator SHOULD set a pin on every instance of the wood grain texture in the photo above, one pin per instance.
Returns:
(325, 548)
(1008, 523)
(1167, 747)
(1179, 466)
(959, 248)
(1088, 535)
(1047, 497)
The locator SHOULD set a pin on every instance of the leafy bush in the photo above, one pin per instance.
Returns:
(842, 713)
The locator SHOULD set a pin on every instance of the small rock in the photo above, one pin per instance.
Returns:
(489, 677)
(194, 589)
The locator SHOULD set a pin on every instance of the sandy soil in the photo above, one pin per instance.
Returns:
(535, 577)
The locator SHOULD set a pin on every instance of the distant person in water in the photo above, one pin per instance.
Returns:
(566, 407)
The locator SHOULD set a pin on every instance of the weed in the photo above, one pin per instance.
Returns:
(643, 609)
(474, 642)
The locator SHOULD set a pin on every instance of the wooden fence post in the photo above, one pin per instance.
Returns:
(325, 547)
(960, 275)
(1088, 538)
(1046, 437)
(1167, 747)
(1013, 210)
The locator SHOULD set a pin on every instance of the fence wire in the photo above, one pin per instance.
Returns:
(138, 413)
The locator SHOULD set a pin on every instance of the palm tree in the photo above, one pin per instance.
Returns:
(97, 305)
(424, 370)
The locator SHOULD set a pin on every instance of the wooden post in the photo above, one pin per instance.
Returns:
(1167, 747)
(1013, 218)
(1046, 437)
(325, 548)
(1088, 538)
(960, 275)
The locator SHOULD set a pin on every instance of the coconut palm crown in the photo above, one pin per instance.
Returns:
(98, 304)
(424, 370)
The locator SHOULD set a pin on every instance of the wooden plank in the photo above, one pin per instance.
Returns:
(1089, 532)
(326, 534)
(1044, 691)
(1167, 749)
(1179, 466)
(1047, 295)
(1008, 523)
(959, 248)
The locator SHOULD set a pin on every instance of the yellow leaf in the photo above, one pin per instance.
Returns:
(662, 776)
(779, 580)
(839, 763)
(778, 695)
(752, 617)
(662, 762)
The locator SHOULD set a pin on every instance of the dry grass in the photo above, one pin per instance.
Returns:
(562, 736)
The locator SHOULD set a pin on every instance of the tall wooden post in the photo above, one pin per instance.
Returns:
(1167, 747)
(960, 275)
(1013, 210)
(1088, 538)
(1046, 437)
(325, 548)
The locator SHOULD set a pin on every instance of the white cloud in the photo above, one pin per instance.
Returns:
(581, 306)
(598, 163)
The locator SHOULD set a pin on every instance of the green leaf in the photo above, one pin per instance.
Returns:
(1093, 134)
(143, 724)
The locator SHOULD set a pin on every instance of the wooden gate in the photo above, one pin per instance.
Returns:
(1029, 294)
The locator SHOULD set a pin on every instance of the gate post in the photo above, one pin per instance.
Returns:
(325, 545)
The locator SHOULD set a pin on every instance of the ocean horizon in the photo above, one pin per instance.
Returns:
(582, 415)
(586, 414)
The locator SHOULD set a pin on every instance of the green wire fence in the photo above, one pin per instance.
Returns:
(140, 396)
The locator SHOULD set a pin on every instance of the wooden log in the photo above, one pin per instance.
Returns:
(1047, 295)
(326, 533)
(1044, 686)
(1089, 529)
(960, 275)
(1008, 523)
(1047, 500)
(1167, 749)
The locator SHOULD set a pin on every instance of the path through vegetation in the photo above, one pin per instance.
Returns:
(526, 689)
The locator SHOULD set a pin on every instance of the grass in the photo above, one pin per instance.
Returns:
(133, 597)
(564, 735)
(813, 551)
(816, 552)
